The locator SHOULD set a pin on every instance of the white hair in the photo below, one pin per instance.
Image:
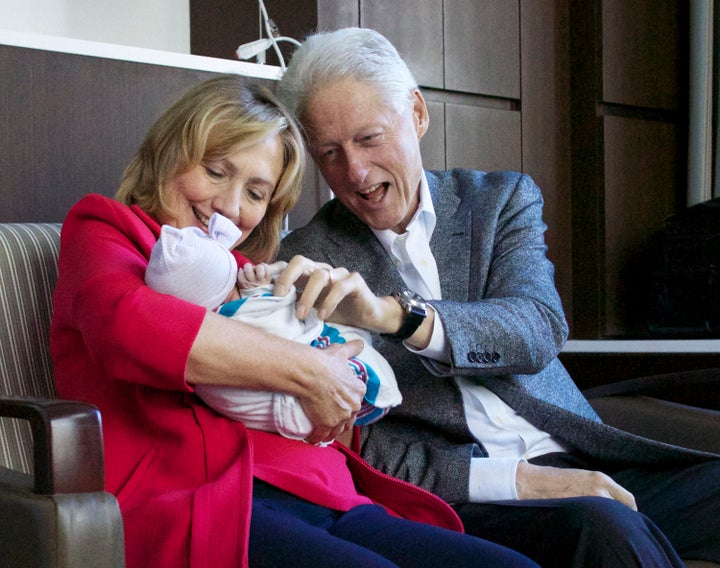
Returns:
(361, 54)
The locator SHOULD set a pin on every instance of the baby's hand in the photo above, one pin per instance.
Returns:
(252, 276)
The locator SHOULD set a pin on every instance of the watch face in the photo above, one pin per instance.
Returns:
(410, 300)
(407, 295)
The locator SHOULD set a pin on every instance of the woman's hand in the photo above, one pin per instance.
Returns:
(333, 396)
(338, 295)
(232, 353)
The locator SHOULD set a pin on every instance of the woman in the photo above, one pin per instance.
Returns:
(195, 488)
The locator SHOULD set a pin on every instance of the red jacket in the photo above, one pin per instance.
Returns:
(182, 473)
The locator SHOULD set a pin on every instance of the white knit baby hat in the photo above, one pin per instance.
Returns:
(194, 266)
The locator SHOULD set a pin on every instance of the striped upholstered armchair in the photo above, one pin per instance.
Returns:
(55, 512)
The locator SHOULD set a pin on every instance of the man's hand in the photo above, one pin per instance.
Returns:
(339, 295)
(542, 482)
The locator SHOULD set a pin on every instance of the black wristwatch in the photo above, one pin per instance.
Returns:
(415, 308)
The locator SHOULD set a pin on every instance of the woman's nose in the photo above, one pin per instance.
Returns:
(228, 204)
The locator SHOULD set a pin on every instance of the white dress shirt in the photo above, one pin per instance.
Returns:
(507, 437)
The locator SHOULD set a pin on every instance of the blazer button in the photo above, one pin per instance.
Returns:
(495, 357)
(487, 357)
(472, 356)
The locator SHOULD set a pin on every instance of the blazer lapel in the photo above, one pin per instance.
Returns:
(453, 231)
(368, 257)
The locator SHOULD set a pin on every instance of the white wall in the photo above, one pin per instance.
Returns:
(153, 24)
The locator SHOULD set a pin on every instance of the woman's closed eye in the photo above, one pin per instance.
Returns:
(214, 173)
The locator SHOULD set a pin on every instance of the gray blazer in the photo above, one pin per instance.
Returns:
(505, 327)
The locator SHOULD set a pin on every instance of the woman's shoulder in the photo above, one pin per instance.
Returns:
(95, 209)
(99, 206)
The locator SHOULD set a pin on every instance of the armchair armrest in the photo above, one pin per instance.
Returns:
(700, 388)
(67, 443)
(678, 408)
(671, 422)
(61, 516)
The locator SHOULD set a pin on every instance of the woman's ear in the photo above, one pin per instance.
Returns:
(420, 114)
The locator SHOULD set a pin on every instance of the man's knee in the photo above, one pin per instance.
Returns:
(598, 512)
(580, 531)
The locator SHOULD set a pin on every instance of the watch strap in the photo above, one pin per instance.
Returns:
(414, 316)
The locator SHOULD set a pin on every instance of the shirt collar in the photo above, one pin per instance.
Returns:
(423, 220)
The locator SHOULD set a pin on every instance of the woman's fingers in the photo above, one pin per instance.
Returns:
(337, 394)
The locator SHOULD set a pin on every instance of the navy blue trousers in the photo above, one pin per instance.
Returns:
(288, 531)
(679, 518)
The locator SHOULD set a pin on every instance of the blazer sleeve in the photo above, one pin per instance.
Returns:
(512, 320)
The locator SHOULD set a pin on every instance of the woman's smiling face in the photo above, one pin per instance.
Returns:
(238, 187)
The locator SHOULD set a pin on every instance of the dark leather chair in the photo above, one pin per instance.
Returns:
(655, 407)
(55, 511)
(648, 407)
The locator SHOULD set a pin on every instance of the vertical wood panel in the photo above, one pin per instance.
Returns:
(482, 139)
(641, 53)
(432, 145)
(587, 171)
(336, 14)
(217, 28)
(640, 175)
(482, 47)
(415, 29)
(546, 127)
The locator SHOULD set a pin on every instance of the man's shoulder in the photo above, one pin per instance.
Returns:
(465, 178)
(462, 188)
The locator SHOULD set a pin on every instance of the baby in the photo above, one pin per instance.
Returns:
(200, 268)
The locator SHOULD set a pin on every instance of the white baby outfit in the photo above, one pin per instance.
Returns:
(194, 266)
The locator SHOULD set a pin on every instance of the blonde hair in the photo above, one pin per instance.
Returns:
(211, 121)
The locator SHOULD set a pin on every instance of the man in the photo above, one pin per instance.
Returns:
(491, 421)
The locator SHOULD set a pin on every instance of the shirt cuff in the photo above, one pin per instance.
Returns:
(493, 479)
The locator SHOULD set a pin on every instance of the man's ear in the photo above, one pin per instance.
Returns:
(420, 114)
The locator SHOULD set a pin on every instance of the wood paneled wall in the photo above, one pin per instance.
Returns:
(629, 160)
(586, 96)
(69, 124)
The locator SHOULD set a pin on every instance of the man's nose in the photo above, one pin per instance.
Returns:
(357, 167)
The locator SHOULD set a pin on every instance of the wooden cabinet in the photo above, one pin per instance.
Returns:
(482, 47)
(629, 144)
(416, 30)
